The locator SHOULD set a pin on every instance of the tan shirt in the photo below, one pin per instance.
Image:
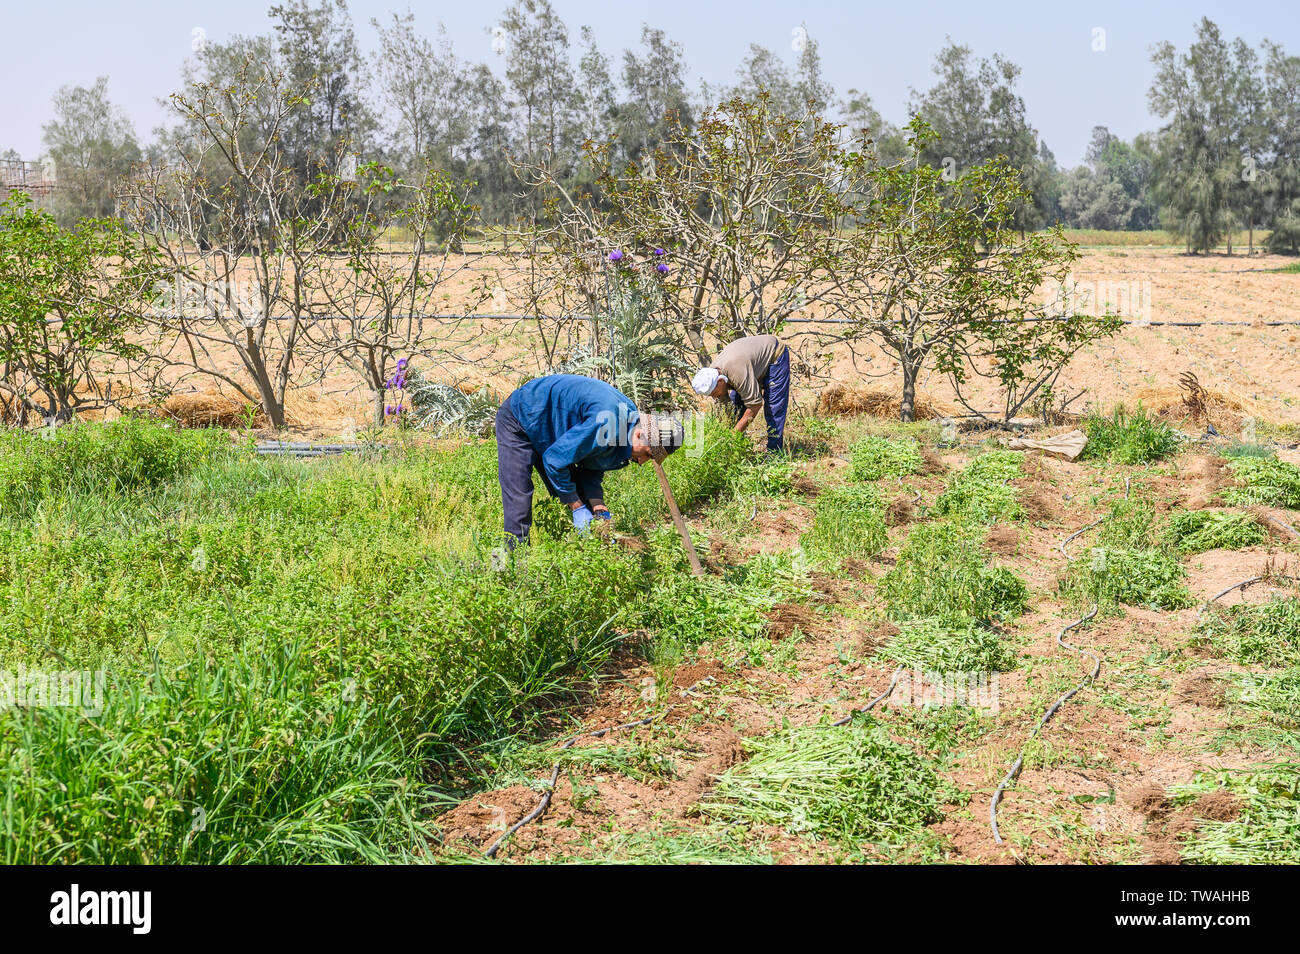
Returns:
(745, 361)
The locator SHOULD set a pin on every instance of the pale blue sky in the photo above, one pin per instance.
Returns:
(883, 48)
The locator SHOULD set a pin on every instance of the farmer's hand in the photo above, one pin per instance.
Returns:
(604, 520)
(581, 517)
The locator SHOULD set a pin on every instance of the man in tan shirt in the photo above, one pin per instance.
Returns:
(751, 373)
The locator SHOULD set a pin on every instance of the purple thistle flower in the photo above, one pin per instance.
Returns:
(401, 363)
(662, 268)
(388, 410)
(616, 255)
(659, 251)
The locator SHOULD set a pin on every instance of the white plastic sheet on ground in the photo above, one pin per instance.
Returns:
(1069, 445)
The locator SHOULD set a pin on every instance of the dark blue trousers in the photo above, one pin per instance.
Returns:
(516, 461)
(776, 400)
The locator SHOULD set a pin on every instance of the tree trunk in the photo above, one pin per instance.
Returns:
(907, 407)
(271, 403)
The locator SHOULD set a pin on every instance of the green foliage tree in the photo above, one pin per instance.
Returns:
(594, 101)
(792, 92)
(1205, 149)
(655, 100)
(1113, 191)
(1282, 181)
(426, 86)
(539, 79)
(69, 309)
(978, 116)
(92, 146)
(317, 53)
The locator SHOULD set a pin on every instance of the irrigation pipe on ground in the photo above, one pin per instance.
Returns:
(1047, 717)
(1062, 545)
(1055, 706)
(893, 683)
(567, 744)
(1244, 585)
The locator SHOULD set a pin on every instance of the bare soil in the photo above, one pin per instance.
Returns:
(1094, 789)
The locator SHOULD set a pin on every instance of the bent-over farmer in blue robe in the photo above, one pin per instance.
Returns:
(752, 373)
(571, 430)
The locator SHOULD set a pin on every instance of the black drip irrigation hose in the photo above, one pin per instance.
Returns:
(1047, 716)
(1061, 546)
(893, 683)
(309, 449)
(1283, 524)
(1244, 585)
(1055, 707)
(569, 743)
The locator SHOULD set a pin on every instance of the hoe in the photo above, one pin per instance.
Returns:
(677, 519)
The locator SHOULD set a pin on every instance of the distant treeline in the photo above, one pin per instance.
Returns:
(1226, 158)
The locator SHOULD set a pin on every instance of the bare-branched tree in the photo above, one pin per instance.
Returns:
(385, 303)
(750, 209)
(244, 232)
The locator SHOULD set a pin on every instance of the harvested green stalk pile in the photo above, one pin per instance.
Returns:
(848, 784)
(949, 645)
(848, 522)
(981, 492)
(1131, 525)
(1195, 531)
(1266, 829)
(876, 457)
(1264, 480)
(1265, 634)
(1147, 578)
(943, 570)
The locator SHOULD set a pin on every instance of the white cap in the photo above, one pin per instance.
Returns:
(705, 380)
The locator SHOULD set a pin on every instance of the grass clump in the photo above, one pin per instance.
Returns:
(1267, 831)
(1264, 480)
(1247, 449)
(943, 570)
(980, 492)
(1131, 525)
(949, 645)
(848, 522)
(252, 761)
(1195, 531)
(1263, 634)
(845, 785)
(1126, 438)
(875, 457)
(1147, 578)
(105, 460)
